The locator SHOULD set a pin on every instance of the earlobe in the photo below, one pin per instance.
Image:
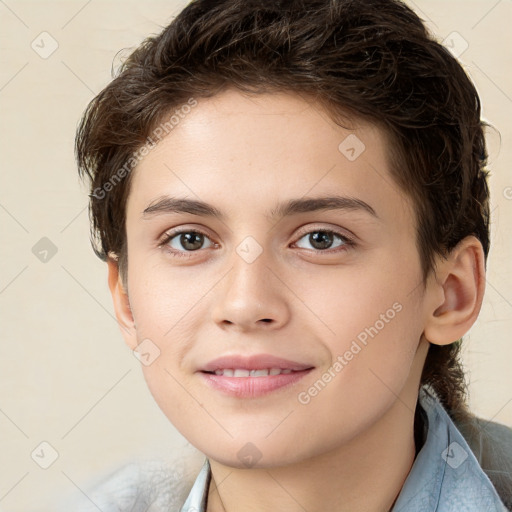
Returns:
(456, 293)
(121, 303)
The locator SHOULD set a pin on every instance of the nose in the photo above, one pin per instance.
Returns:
(251, 297)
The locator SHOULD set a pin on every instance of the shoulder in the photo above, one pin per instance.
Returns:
(491, 443)
(447, 474)
(138, 486)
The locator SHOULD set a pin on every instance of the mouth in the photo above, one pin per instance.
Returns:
(254, 376)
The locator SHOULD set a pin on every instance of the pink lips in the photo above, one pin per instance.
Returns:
(246, 376)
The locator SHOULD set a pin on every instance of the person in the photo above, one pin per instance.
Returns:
(292, 201)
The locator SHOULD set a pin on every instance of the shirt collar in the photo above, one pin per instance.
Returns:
(445, 475)
(196, 501)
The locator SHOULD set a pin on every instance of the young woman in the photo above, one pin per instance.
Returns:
(292, 201)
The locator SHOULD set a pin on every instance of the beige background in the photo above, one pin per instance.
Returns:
(66, 376)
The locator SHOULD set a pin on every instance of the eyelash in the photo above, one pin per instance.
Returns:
(347, 242)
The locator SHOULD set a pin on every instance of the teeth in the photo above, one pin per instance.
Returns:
(259, 373)
(238, 372)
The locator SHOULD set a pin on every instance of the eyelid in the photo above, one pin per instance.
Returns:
(344, 233)
(172, 232)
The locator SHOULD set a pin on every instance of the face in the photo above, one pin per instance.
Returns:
(273, 279)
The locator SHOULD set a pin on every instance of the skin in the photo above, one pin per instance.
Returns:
(244, 155)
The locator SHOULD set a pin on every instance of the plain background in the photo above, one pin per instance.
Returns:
(66, 376)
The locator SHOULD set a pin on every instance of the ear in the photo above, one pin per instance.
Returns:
(121, 303)
(456, 293)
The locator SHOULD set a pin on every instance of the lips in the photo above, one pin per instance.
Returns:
(252, 376)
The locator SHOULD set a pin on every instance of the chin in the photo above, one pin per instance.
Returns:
(255, 455)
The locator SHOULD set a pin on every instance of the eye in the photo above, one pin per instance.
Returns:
(185, 241)
(322, 239)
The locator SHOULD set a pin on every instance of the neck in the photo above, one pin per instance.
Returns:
(366, 474)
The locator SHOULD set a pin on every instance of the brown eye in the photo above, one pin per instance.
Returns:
(186, 241)
(320, 240)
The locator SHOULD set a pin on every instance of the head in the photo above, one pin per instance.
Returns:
(245, 106)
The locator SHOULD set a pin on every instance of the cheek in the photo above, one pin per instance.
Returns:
(377, 324)
(163, 300)
(368, 305)
(169, 308)
(374, 353)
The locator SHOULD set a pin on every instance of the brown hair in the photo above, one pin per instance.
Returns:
(371, 58)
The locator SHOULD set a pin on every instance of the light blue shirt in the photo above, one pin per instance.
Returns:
(445, 477)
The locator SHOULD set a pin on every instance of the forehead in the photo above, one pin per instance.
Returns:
(263, 149)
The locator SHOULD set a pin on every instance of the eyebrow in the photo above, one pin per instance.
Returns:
(167, 204)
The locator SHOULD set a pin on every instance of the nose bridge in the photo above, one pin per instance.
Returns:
(250, 272)
(250, 295)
